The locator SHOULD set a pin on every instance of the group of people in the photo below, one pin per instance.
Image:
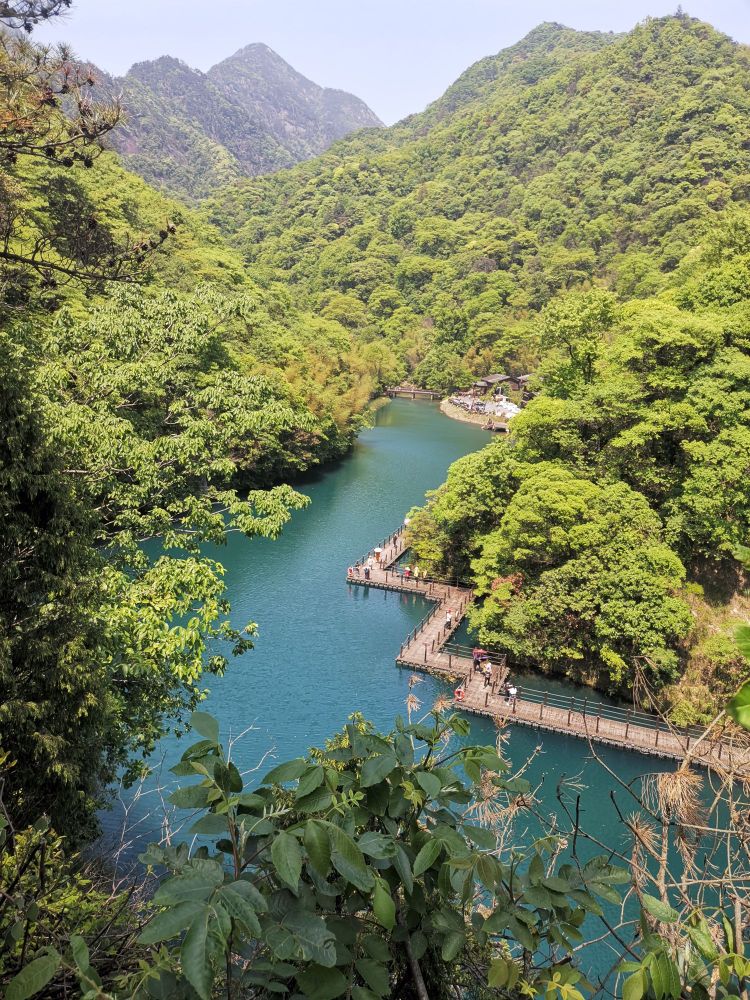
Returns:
(362, 569)
(510, 693)
(481, 662)
(365, 569)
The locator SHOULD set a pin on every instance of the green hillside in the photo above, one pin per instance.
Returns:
(567, 159)
(575, 208)
(151, 390)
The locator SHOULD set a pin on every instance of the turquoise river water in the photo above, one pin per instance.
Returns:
(326, 649)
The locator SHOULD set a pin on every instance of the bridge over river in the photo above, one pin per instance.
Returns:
(429, 648)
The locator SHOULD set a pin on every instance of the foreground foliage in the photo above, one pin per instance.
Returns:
(389, 865)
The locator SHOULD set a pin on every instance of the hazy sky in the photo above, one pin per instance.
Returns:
(398, 55)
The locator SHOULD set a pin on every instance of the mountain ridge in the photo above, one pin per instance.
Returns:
(189, 132)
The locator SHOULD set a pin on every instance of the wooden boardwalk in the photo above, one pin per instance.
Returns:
(411, 392)
(429, 648)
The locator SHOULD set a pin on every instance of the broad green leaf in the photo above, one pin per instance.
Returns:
(250, 800)
(658, 909)
(522, 933)
(418, 944)
(318, 846)
(701, 938)
(348, 860)
(190, 797)
(314, 937)
(192, 887)
(184, 769)
(376, 947)
(317, 801)
(376, 845)
(504, 973)
(249, 892)
(194, 956)
(429, 783)
(404, 750)
(489, 871)
(211, 823)
(536, 870)
(311, 779)
(235, 778)
(239, 907)
(606, 892)
(634, 987)
(362, 993)
(169, 923)
(33, 977)
(319, 983)
(481, 836)
(79, 950)
(452, 945)
(739, 706)
(288, 771)
(375, 769)
(206, 725)
(401, 864)
(287, 858)
(383, 906)
(586, 901)
(375, 975)
(427, 856)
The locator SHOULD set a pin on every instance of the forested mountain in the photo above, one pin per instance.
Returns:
(188, 132)
(573, 207)
(567, 159)
(150, 389)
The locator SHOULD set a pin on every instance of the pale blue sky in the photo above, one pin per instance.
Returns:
(398, 55)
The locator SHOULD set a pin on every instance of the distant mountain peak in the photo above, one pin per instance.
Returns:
(251, 113)
(257, 49)
(164, 62)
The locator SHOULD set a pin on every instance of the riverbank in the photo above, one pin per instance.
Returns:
(457, 413)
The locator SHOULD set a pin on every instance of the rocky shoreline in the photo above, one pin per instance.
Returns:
(456, 413)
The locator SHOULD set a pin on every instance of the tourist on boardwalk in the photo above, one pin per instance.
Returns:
(378, 553)
(416, 572)
(407, 571)
(476, 657)
(513, 695)
(370, 563)
(357, 567)
(506, 692)
(449, 618)
(367, 572)
(350, 572)
(487, 670)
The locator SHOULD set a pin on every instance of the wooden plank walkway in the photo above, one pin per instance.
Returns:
(428, 648)
(411, 392)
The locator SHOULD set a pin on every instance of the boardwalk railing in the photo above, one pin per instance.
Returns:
(596, 712)
(412, 392)
(429, 647)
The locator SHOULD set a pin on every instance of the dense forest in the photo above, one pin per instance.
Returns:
(575, 208)
(147, 379)
(571, 207)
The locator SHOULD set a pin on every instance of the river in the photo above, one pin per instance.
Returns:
(326, 649)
